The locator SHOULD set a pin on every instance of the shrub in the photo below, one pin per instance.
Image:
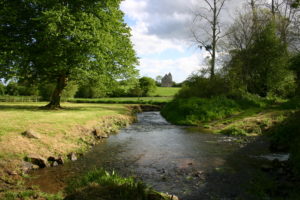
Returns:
(202, 87)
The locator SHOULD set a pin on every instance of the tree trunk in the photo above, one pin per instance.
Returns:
(214, 42)
(56, 95)
(298, 84)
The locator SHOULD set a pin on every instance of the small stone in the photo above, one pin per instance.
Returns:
(54, 164)
(30, 134)
(72, 156)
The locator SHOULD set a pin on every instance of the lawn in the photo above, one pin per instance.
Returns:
(59, 131)
(165, 91)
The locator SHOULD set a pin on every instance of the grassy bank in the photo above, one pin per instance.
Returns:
(249, 115)
(58, 132)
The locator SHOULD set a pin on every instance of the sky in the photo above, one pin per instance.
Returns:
(162, 38)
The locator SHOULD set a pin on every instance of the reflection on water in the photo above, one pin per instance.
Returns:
(170, 158)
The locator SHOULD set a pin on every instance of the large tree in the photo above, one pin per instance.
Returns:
(64, 40)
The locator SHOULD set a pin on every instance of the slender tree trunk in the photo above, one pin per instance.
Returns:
(298, 84)
(56, 95)
(214, 41)
(273, 8)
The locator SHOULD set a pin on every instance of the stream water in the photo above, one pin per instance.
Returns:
(173, 159)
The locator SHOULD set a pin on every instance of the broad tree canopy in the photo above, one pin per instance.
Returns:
(62, 40)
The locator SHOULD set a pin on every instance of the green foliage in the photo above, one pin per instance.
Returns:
(203, 87)
(261, 68)
(147, 85)
(12, 88)
(192, 111)
(109, 186)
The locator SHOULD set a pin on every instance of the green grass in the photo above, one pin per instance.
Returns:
(125, 100)
(30, 194)
(60, 131)
(100, 184)
(165, 91)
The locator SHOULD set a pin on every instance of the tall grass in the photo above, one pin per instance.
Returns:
(109, 186)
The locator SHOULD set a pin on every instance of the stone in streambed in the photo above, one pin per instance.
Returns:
(37, 160)
(72, 156)
(59, 160)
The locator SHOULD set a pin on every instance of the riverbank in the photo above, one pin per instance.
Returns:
(31, 137)
(250, 119)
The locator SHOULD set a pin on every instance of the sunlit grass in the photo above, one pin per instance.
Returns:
(165, 91)
(60, 131)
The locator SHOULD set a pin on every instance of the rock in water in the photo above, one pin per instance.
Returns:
(30, 134)
(72, 156)
(37, 160)
(59, 160)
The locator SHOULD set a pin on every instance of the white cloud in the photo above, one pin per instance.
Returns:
(161, 25)
(180, 68)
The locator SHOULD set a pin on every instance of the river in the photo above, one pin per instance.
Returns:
(173, 159)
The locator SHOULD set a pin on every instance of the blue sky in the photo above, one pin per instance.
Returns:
(162, 38)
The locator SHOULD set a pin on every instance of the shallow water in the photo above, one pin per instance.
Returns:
(169, 158)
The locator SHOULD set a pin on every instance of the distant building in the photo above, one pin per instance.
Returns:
(167, 80)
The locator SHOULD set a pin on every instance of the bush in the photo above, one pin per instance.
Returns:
(192, 111)
(147, 85)
(202, 87)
